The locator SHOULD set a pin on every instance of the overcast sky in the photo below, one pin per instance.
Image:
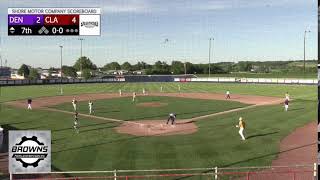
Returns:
(134, 30)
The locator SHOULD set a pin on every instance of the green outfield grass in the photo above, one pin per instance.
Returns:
(296, 91)
(125, 109)
(216, 143)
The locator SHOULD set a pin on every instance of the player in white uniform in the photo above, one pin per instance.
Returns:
(228, 95)
(161, 89)
(144, 91)
(179, 88)
(120, 92)
(76, 123)
(90, 107)
(74, 104)
(29, 102)
(134, 95)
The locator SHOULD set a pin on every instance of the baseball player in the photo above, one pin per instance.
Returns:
(286, 104)
(144, 91)
(74, 104)
(29, 101)
(134, 95)
(179, 88)
(120, 92)
(161, 89)
(76, 122)
(287, 96)
(241, 127)
(172, 117)
(228, 95)
(90, 107)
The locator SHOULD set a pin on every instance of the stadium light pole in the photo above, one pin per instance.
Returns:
(304, 51)
(210, 39)
(61, 90)
(81, 39)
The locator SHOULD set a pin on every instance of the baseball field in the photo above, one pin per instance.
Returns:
(122, 134)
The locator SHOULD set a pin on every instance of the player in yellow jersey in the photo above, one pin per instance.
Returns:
(241, 127)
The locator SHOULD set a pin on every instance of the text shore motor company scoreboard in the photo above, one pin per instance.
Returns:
(54, 21)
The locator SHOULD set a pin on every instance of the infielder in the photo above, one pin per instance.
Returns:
(144, 91)
(120, 92)
(228, 95)
(172, 117)
(134, 95)
(161, 89)
(179, 88)
(90, 107)
(74, 104)
(286, 104)
(241, 127)
(76, 122)
(29, 101)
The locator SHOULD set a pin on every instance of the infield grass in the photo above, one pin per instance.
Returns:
(124, 109)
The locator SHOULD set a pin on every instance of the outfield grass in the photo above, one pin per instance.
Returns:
(296, 91)
(125, 109)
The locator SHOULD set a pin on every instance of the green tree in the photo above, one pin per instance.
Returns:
(69, 71)
(34, 74)
(84, 63)
(126, 66)
(177, 67)
(86, 74)
(24, 70)
(112, 66)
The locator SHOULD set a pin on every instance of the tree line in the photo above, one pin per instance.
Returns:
(89, 69)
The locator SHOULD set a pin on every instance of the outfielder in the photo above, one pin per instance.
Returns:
(228, 95)
(76, 122)
(241, 127)
(161, 89)
(172, 117)
(74, 104)
(179, 88)
(29, 101)
(134, 95)
(90, 107)
(120, 92)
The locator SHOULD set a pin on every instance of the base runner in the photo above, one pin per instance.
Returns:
(172, 117)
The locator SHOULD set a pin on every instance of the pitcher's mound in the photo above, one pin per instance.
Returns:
(152, 104)
(156, 128)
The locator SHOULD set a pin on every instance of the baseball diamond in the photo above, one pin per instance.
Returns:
(122, 134)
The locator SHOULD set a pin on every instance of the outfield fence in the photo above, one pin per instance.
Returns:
(297, 172)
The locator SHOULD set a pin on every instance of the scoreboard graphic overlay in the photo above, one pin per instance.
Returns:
(54, 21)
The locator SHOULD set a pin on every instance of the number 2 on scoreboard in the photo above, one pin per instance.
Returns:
(38, 20)
(74, 20)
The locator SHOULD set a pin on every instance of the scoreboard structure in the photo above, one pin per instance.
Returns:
(54, 21)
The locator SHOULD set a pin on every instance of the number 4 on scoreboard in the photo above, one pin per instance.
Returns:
(74, 20)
